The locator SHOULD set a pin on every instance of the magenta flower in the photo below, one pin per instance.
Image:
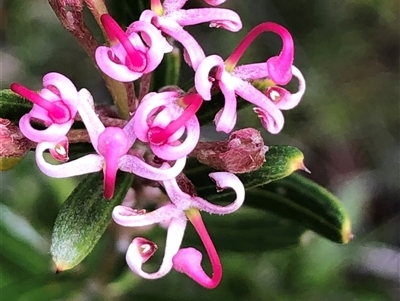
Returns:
(175, 213)
(133, 53)
(163, 118)
(112, 145)
(170, 18)
(235, 81)
(55, 105)
(188, 260)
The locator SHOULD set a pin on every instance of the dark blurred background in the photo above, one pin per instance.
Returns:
(347, 125)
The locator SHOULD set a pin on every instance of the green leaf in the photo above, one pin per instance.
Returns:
(294, 197)
(19, 243)
(83, 218)
(280, 161)
(13, 106)
(248, 230)
(41, 288)
(304, 201)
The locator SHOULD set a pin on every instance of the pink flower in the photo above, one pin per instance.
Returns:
(235, 81)
(182, 206)
(133, 53)
(170, 18)
(55, 105)
(112, 145)
(188, 260)
(163, 118)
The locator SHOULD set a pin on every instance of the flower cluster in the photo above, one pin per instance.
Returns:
(165, 121)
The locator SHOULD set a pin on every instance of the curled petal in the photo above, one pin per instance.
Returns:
(145, 248)
(182, 200)
(65, 88)
(60, 150)
(251, 71)
(193, 49)
(155, 42)
(166, 115)
(150, 103)
(89, 117)
(277, 95)
(173, 5)
(128, 217)
(133, 164)
(129, 130)
(135, 259)
(290, 102)
(83, 165)
(201, 79)
(218, 17)
(174, 152)
(214, 2)
(223, 180)
(224, 124)
(268, 121)
(53, 133)
(117, 71)
(266, 108)
(226, 120)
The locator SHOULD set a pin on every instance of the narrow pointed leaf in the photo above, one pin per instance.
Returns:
(273, 188)
(280, 161)
(23, 250)
(13, 106)
(41, 288)
(302, 200)
(83, 218)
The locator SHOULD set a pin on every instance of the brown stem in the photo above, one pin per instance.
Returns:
(145, 83)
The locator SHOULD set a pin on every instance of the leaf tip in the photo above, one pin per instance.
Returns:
(61, 266)
(297, 163)
(347, 235)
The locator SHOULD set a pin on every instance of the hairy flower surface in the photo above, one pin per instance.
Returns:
(170, 18)
(112, 145)
(175, 214)
(164, 122)
(235, 82)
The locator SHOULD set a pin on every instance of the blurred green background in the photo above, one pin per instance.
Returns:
(347, 125)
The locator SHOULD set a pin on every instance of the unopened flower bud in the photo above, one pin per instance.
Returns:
(13, 145)
(244, 151)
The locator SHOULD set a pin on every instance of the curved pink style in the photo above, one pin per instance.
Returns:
(112, 145)
(223, 180)
(230, 87)
(162, 118)
(131, 55)
(170, 18)
(55, 105)
(279, 67)
(188, 260)
(137, 253)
